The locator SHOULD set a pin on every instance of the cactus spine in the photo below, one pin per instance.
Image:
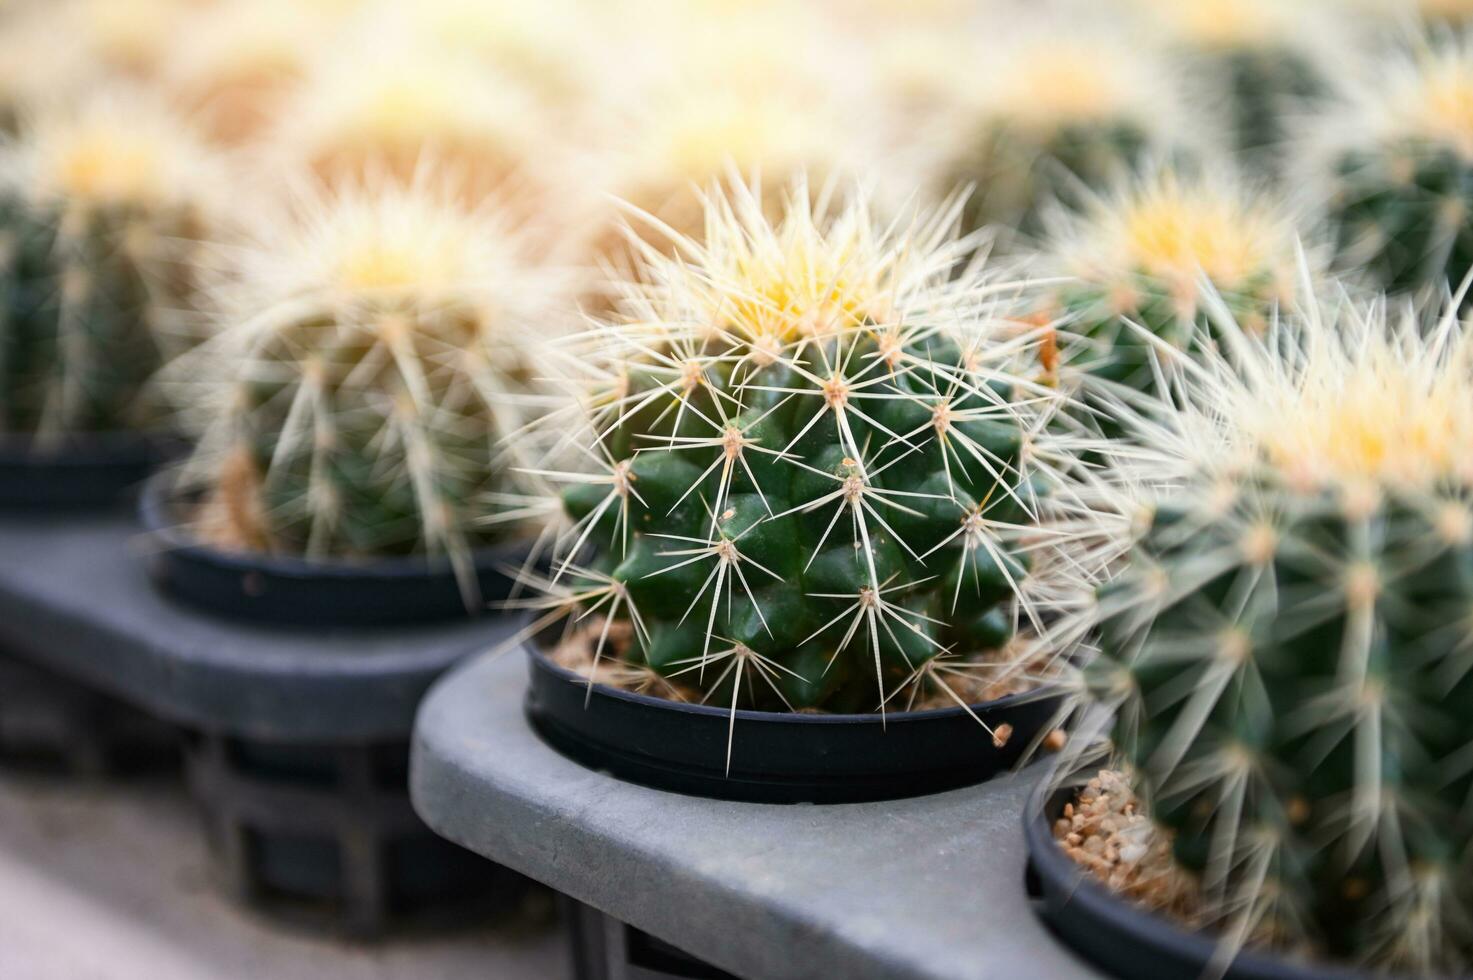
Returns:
(1286, 647)
(101, 211)
(818, 462)
(370, 358)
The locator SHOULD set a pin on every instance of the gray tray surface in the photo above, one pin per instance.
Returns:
(75, 597)
(922, 889)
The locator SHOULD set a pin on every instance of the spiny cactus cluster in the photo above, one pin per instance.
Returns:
(819, 462)
(1286, 648)
(1156, 254)
(369, 359)
(101, 211)
(1400, 164)
(1048, 117)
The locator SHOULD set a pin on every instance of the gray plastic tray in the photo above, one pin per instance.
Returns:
(929, 888)
(75, 597)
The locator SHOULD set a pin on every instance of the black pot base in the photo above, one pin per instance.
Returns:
(324, 837)
(289, 591)
(1122, 938)
(775, 757)
(84, 471)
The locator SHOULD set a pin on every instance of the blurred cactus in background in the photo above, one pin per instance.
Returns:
(816, 463)
(1040, 119)
(372, 353)
(418, 104)
(1398, 162)
(1157, 254)
(1256, 64)
(237, 62)
(102, 210)
(1286, 647)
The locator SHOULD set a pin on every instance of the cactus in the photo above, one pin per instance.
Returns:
(418, 104)
(102, 209)
(739, 95)
(1286, 646)
(1254, 62)
(1053, 115)
(236, 63)
(818, 463)
(1448, 13)
(1399, 164)
(1151, 255)
(370, 357)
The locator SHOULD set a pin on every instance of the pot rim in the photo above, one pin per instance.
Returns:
(536, 654)
(1141, 927)
(84, 449)
(159, 496)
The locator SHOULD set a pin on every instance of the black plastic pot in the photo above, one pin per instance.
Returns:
(293, 591)
(324, 836)
(83, 470)
(776, 757)
(1121, 937)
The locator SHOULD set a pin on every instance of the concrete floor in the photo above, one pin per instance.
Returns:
(110, 882)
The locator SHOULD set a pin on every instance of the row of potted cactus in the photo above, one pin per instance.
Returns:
(830, 500)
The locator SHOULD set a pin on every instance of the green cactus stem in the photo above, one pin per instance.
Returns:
(1286, 647)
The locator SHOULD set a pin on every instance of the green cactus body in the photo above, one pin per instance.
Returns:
(812, 491)
(1054, 118)
(1400, 214)
(97, 272)
(1399, 168)
(370, 361)
(1018, 172)
(1260, 87)
(1139, 260)
(1287, 648)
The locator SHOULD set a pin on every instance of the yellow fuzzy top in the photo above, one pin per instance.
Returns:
(1382, 415)
(1436, 102)
(408, 241)
(1176, 230)
(117, 150)
(1054, 81)
(1229, 23)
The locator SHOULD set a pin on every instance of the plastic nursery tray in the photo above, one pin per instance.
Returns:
(924, 888)
(51, 724)
(298, 738)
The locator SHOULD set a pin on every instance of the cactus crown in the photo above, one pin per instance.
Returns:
(1229, 23)
(418, 103)
(1054, 113)
(1175, 230)
(818, 462)
(1398, 159)
(1431, 98)
(369, 360)
(236, 62)
(1156, 254)
(100, 207)
(1285, 647)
